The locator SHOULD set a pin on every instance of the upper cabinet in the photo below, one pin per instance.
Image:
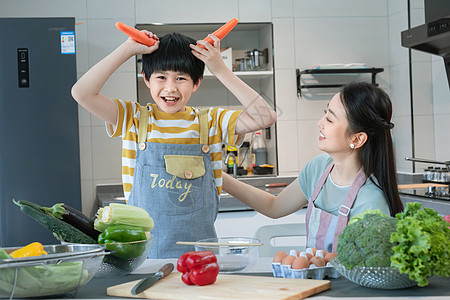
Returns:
(247, 50)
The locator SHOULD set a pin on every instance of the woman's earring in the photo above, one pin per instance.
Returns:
(352, 146)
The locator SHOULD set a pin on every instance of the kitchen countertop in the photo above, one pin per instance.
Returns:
(340, 287)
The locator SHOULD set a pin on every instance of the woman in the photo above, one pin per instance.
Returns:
(357, 172)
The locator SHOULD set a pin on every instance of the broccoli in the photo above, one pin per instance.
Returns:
(366, 242)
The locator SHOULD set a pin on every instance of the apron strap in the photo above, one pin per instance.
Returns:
(344, 209)
(321, 182)
(143, 125)
(316, 192)
(203, 124)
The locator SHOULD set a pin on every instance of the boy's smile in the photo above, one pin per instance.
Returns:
(171, 90)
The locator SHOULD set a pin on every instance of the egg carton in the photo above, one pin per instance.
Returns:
(312, 272)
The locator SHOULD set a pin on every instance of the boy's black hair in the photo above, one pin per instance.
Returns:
(174, 54)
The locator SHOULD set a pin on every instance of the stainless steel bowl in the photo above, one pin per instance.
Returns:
(65, 269)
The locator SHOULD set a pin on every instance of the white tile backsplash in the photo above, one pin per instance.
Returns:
(82, 46)
(87, 197)
(442, 136)
(195, 11)
(104, 37)
(422, 88)
(401, 135)
(110, 9)
(254, 10)
(282, 9)
(85, 153)
(286, 95)
(283, 32)
(308, 137)
(287, 137)
(106, 155)
(424, 141)
(341, 8)
(341, 40)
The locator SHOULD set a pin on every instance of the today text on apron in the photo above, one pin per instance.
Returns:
(175, 184)
(323, 228)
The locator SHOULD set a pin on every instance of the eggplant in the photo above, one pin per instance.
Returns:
(73, 217)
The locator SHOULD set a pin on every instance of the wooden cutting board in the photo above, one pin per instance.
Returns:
(419, 185)
(226, 287)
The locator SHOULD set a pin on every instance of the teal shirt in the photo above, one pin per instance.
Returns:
(333, 196)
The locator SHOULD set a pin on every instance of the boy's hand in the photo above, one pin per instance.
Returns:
(211, 55)
(138, 48)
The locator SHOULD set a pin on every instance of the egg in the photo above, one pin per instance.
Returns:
(309, 256)
(317, 261)
(314, 250)
(325, 252)
(288, 260)
(329, 256)
(300, 263)
(279, 256)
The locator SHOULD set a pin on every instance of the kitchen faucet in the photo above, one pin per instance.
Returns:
(233, 157)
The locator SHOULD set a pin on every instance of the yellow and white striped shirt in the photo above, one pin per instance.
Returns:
(177, 128)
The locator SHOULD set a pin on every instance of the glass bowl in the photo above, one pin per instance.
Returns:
(114, 264)
(232, 258)
(65, 269)
(378, 278)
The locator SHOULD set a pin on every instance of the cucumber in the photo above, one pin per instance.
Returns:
(64, 230)
(3, 254)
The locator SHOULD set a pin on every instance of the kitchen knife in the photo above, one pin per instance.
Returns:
(150, 280)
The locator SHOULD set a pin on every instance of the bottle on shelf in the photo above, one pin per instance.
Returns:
(230, 162)
(259, 150)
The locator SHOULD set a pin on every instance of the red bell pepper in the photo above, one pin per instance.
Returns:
(198, 267)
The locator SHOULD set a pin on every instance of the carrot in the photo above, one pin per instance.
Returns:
(136, 35)
(222, 31)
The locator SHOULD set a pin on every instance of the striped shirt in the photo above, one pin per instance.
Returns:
(176, 128)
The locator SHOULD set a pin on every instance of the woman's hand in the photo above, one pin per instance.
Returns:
(210, 54)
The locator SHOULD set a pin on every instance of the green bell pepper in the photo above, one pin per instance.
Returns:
(119, 238)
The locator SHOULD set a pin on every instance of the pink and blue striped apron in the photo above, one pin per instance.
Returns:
(323, 228)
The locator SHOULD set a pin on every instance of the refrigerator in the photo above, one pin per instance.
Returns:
(39, 133)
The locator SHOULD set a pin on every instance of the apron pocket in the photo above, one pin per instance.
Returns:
(185, 166)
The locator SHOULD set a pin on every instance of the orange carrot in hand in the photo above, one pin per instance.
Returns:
(221, 32)
(136, 35)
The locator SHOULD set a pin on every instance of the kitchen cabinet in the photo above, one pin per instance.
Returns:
(244, 37)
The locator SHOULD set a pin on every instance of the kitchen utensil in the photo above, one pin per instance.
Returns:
(242, 64)
(227, 286)
(233, 256)
(258, 59)
(152, 279)
(206, 244)
(65, 269)
(378, 278)
(113, 266)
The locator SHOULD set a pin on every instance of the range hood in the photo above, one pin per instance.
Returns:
(433, 38)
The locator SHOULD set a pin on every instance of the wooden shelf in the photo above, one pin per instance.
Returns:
(299, 73)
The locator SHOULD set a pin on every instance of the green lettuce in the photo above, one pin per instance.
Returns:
(421, 244)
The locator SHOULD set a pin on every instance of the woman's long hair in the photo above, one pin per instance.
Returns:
(369, 110)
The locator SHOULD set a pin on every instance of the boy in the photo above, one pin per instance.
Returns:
(171, 154)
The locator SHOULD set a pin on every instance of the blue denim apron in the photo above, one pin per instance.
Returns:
(175, 184)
